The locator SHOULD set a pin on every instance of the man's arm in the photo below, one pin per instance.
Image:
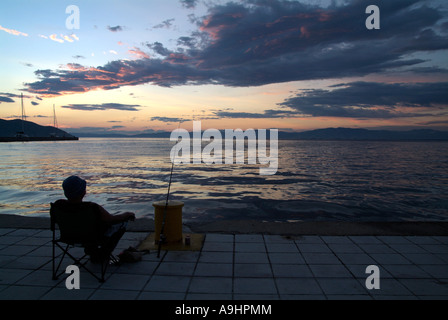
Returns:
(110, 218)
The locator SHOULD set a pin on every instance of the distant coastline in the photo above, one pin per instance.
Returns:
(35, 132)
(329, 134)
(27, 131)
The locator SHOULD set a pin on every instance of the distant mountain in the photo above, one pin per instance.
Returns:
(318, 134)
(365, 134)
(9, 128)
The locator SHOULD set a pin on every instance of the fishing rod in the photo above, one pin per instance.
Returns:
(162, 237)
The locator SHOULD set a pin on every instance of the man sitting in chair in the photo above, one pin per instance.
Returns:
(113, 226)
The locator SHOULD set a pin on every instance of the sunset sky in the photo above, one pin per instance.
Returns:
(141, 65)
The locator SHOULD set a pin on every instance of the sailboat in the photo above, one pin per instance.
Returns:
(32, 136)
(21, 134)
(55, 124)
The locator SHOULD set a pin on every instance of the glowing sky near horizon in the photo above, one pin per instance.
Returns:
(138, 66)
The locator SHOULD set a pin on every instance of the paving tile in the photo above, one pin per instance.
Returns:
(175, 268)
(423, 240)
(150, 295)
(17, 250)
(251, 257)
(211, 285)
(320, 258)
(344, 286)
(250, 247)
(64, 294)
(390, 287)
(168, 284)
(254, 286)
(37, 278)
(208, 296)
(28, 262)
(356, 258)
(9, 240)
(286, 258)
(435, 248)
(407, 248)
(427, 287)
(359, 271)
(314, 247)
(423, 258)
(394, 239)
(252, 270)
(337, 239)
(291, 271)
(281, 247)
(389, 258)
(141, 267)
(344, 248)
(125, 282)
(214, 269)
(217, 246)
(217, 237)
(104, 294)
(406, 271)
(249, 238)
(376, 248)
(329, 271)
(365, 239)
(216, 257)
(273, 238)
(181, 256)
(309, 240)
(436, 270)
(23, 293)
(308, 286)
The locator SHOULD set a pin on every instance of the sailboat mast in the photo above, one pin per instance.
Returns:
(23, 112)
(54, 117)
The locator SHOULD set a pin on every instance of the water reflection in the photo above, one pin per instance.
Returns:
(317, 180)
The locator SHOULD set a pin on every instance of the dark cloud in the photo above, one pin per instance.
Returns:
(167, 119)
(164, 24)
(189, 4)
(253, 115)
(260, 42)
(115, 29)
(104, 106)
(371, 100)
(5, 99)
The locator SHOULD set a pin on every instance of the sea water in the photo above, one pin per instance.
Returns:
(315, 180)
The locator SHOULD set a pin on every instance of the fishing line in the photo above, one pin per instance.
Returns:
(162, 237)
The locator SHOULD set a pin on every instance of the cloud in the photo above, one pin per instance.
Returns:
(13, 32)
(189, 4)
(166, 24)
(372, 100)
(257, 42)
(103, 106)
(168, 119)
(115, 29)
(138, 53)
(267, 114)
(54, 37)
(68, 38)
(5, 99)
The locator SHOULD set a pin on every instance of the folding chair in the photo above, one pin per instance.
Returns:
(79, 226)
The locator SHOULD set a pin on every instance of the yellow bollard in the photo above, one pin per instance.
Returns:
(173, 220)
